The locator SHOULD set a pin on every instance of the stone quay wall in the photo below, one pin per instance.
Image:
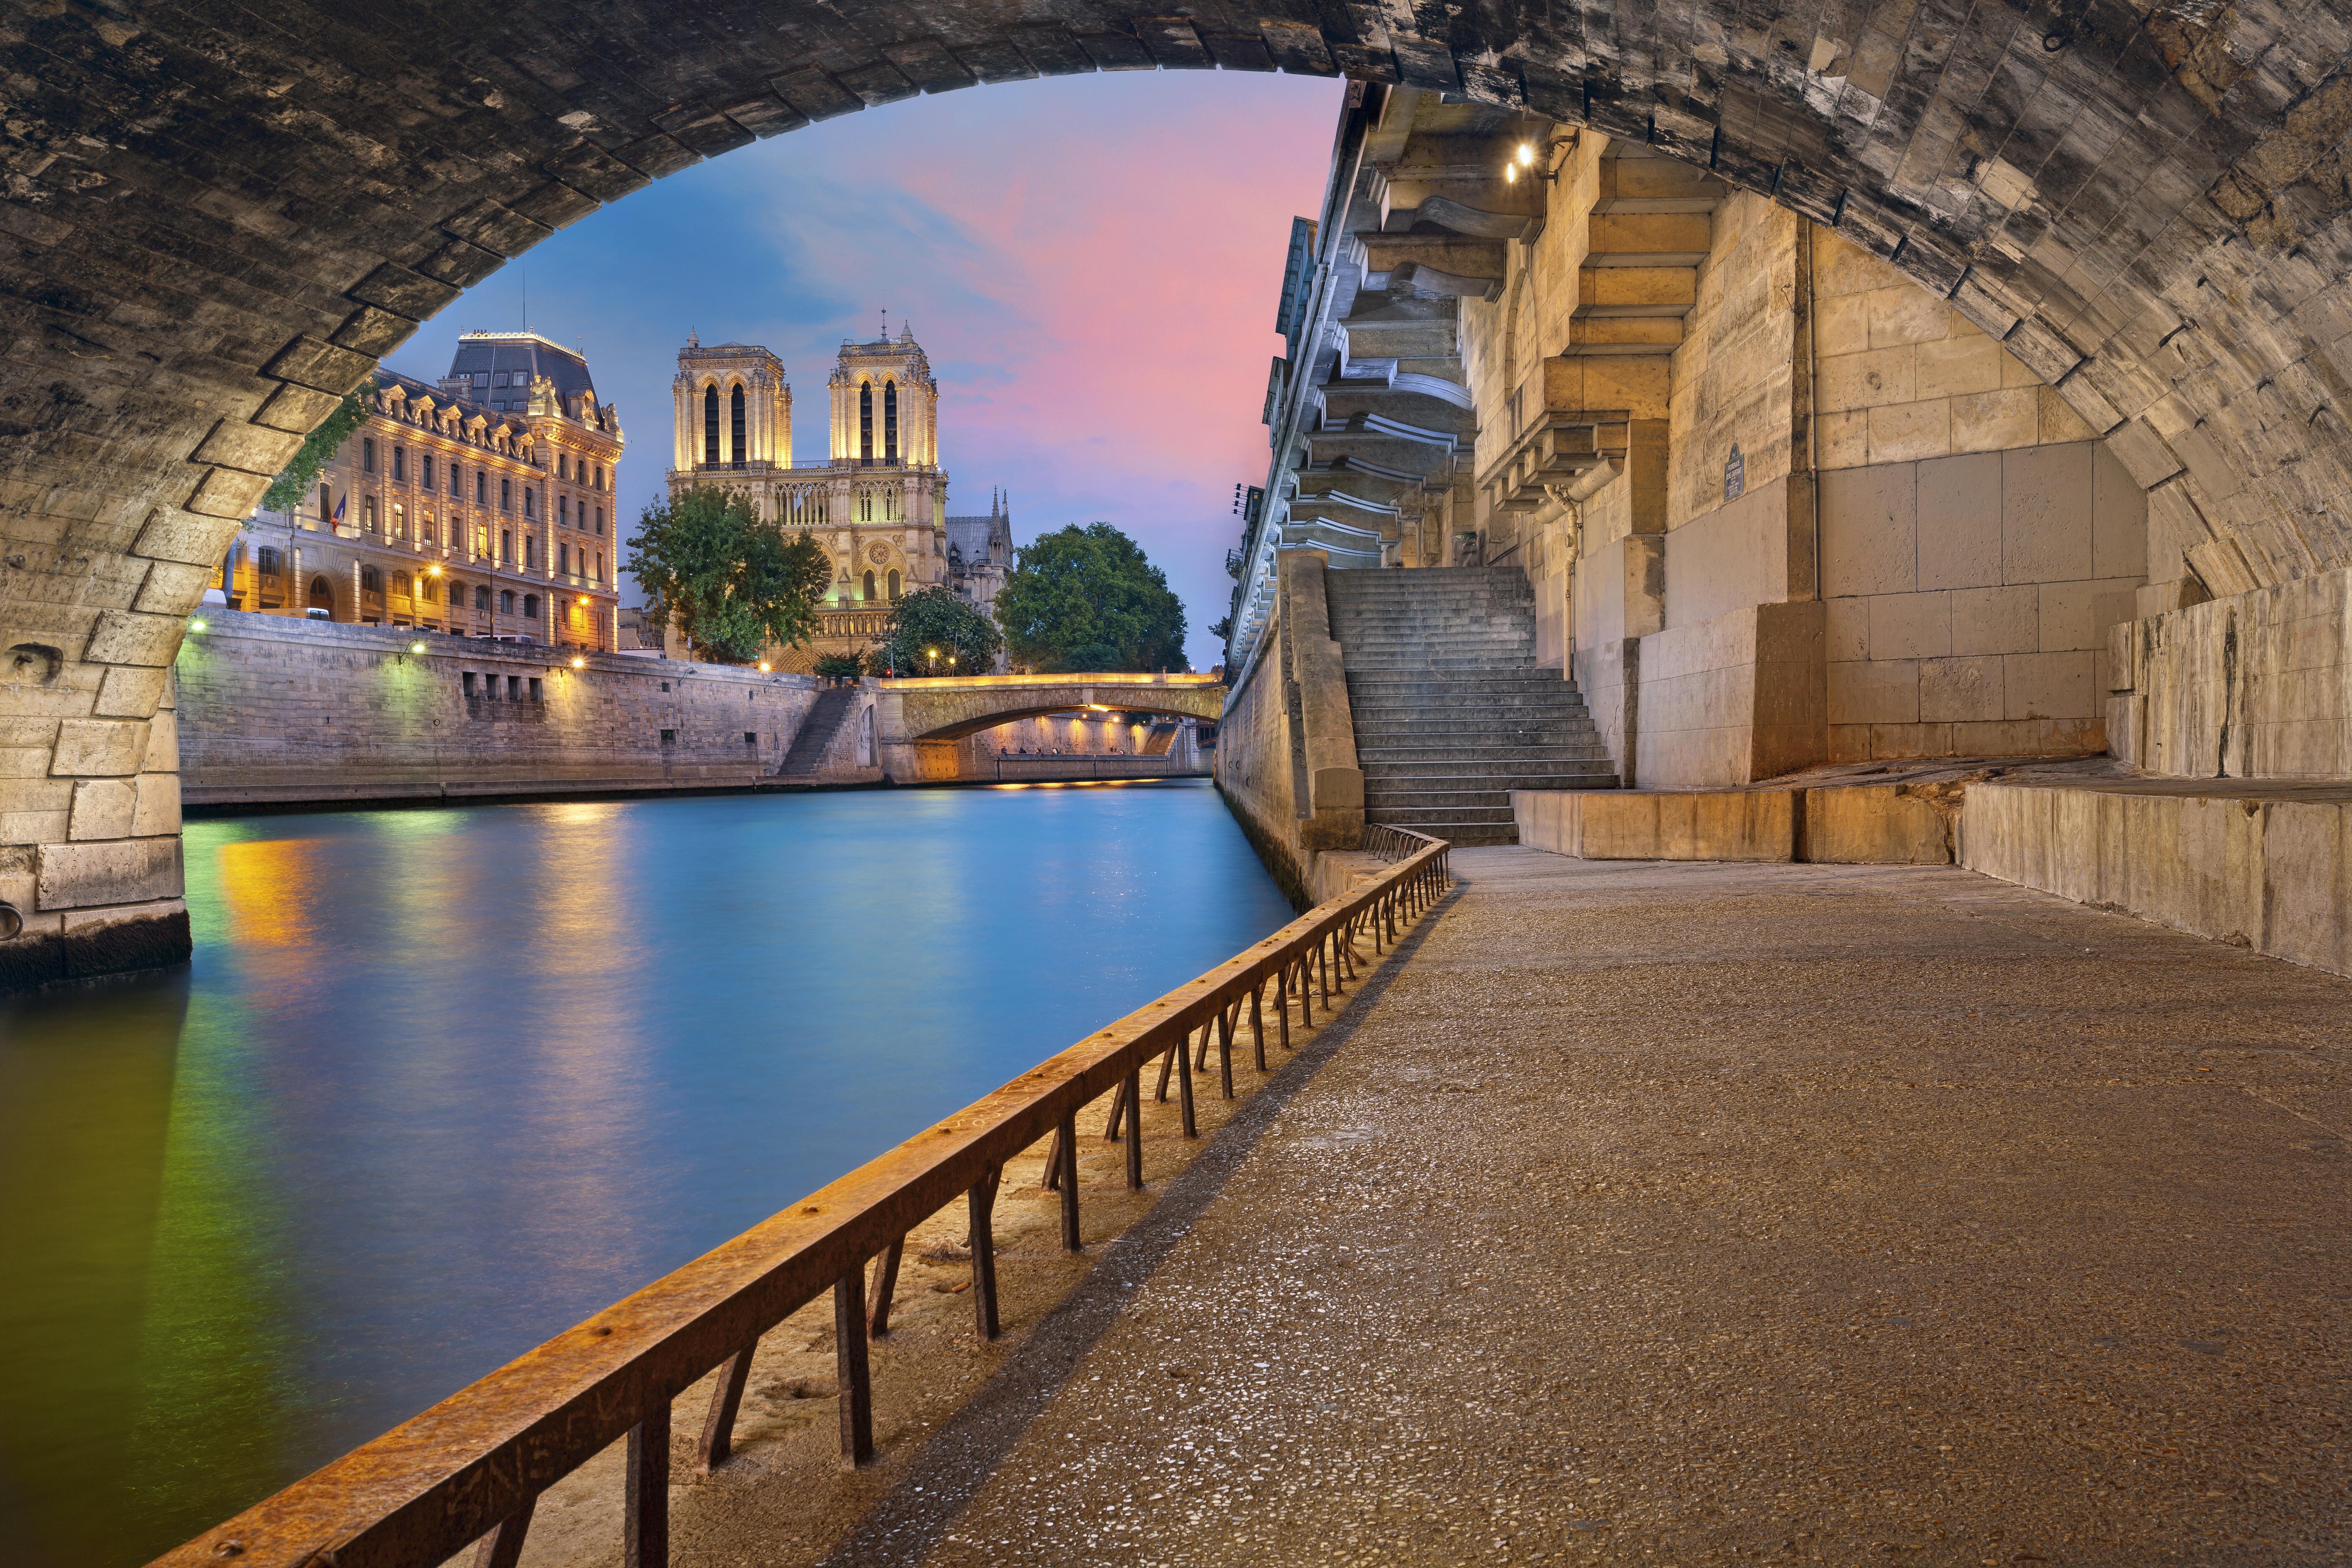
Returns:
(275, 710)
(1285, 753)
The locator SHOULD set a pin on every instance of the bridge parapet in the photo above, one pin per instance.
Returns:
(921, 720)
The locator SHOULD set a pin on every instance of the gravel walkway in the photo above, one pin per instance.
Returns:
(1705, 1214)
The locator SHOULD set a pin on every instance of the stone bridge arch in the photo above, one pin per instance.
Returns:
(920, 721)
(214, 223)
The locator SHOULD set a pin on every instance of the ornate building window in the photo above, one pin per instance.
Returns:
(735, 400)
(424, 529)
(367, 510)
(530, 607)
(481, 595)
(506, 602)
(367, 454)
(399, 521)
(563, 560)
(481, 487)
(711, 424)
(506, 493)
(866, 423)
(894, 586)
(869, 587)
(424, 469)
(400, 465)
(890, 423)
(400, 584)
(371, 580)
(268, 561)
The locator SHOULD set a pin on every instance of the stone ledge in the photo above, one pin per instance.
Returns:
(87, 943)
(2266, 866)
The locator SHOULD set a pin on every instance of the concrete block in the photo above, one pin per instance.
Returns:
(2048, 686)
(2047, 514)
(1956, 367)
(2270, 871)
(1848, 623)
(1993, 421)
(1870, 531)
(1659, 825)
(1910, 625)
(124, 637)
(98, 748)
(1874, 692)
(2077, 614)
(1869, 380)
(131, 692)
(118, 871)
(1877, 825)
(1905, 432)
(1960, 690)
(1960, 521)
(1906, 313)
(2118, 518)
(1997, 620)
(158, 809)
(102, 808)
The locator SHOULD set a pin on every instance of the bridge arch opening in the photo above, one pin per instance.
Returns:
(192, 287)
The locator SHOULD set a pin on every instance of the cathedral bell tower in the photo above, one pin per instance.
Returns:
(734, 410)
(885, 405)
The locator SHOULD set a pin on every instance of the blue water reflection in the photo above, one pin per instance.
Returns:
(442, 1082)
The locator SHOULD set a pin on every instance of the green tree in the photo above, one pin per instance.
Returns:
(288, 489)
(840, 666)
(934, 618)
(733, 584)
(1086, 599)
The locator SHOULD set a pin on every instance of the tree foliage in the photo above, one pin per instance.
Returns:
(840, 666)
(733, 584)
(288, 489)
(1086, 599)
(932, 618)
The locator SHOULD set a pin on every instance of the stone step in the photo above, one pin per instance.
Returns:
(1367, 757)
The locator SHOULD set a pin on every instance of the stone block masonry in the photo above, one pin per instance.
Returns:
(278, 711)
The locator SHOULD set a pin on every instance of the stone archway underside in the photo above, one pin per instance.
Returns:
(215, 219)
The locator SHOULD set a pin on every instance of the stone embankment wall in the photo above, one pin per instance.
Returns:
(1285, 756)
(2258, 685)
(273, 710)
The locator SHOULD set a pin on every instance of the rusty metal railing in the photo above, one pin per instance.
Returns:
(470, 1470)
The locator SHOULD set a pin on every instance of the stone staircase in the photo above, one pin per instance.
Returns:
(834, 706)
(1450, 714)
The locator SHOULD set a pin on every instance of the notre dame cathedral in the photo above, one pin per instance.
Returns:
(878, 500)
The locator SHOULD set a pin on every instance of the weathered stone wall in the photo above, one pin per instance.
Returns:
(1285, 754)
(2265, 868)
(2257, 686)
(276, 710)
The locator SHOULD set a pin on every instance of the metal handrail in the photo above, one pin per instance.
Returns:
(471, 1467)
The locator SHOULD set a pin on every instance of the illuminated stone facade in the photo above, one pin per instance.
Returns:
(478, 506)
(877, 500)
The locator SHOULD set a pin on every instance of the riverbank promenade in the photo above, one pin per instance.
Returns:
(1674, 1214)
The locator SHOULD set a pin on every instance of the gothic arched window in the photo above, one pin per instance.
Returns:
(865, 424)
(711, 424)
(737, 399)
(894, 587)
(890, 424)
(869, 587)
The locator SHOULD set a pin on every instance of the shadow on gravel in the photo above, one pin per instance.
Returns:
(958, 1460)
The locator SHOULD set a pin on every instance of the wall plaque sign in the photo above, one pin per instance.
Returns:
(1735, 474)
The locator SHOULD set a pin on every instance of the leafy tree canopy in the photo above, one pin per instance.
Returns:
(934, 618)
(733, 584)
(288, 489)
(1086, 599)
(839, 666)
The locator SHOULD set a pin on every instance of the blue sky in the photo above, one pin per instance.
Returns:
(1091, 263)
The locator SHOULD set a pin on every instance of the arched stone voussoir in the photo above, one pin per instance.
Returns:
(213, 223)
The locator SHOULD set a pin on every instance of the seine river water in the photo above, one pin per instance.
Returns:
(441, 1083)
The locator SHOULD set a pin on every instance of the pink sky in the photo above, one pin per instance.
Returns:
(1091, 263)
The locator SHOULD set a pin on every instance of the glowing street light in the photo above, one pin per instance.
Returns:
(197, 625)
(579, 663)
(418, 646)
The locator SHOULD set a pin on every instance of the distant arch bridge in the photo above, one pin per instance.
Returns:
(934, 729)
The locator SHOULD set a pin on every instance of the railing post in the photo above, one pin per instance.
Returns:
(1067, 1137)
(718, 1425)
(502, 1547)
(645, 1508)
(982, 1202)
(1282, 1003)
(885, 1285)
(1135, 1129)
(1184, 1082)
(1225, 1048)
(851, 1381)
(1257, 1021)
